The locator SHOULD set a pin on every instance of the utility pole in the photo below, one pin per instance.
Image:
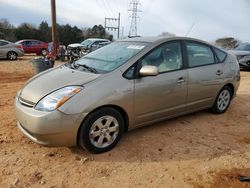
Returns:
(109, 24)
(54, 28)
(134, 15)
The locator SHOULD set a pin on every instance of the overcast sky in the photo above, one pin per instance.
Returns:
(211, 18)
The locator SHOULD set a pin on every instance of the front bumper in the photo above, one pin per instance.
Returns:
(48, 128)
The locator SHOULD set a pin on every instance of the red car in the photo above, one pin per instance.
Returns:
(34, 46)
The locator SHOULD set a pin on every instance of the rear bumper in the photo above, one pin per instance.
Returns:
(48, 128)
(20, 54)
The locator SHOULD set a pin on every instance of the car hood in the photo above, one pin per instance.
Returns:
(51, 80)
(239, 52)
(76, 45)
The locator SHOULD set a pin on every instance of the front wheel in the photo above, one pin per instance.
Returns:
(222, 101)
(101, 130)
(12, 56)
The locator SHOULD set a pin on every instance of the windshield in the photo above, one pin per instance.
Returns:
(86, 42)
(110, 57)
(243, 47)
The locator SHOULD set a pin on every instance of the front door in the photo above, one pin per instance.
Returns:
(3, 49)
(164, 95)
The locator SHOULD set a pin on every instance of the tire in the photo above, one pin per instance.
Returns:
(222, 101)
(106, 123)
(12, 56)
(43, 52)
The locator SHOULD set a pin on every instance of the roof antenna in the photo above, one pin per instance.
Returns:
(190, 29)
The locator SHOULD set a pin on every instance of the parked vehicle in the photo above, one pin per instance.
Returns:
(34, 46)
(9, 50)
(76, 51)
(242, 53)
(122, 86)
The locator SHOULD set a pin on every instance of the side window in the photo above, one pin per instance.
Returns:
(96, 43)
(27, 43)
(199, 54)
(34, 43)
(220, 54)
(167, 57)
(248, 47)
(2, 43)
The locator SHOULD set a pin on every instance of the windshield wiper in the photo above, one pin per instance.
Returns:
(91, 69)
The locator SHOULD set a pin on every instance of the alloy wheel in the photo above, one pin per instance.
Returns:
(104, 131)
(223, 100)
(12, 56)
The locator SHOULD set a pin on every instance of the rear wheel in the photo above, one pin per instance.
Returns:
(101, 130)
(12, 56)
(223, 100)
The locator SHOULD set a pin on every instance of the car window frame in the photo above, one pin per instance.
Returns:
(200, 43)
(136, 70)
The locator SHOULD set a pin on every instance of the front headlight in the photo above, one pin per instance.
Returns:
(57, 98)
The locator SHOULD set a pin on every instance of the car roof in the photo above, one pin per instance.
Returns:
(97, 39)
(4, 40)
(159, 39)
(29, 40)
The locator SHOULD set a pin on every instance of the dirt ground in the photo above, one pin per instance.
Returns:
(197, 150)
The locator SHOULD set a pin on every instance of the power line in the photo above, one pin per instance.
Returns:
(134, 16)
(104, 10)
(189, 30)
(109, 7)
(106, 7)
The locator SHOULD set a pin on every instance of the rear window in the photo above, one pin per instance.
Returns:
(220, 54)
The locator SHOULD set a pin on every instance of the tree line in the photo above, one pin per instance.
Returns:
(66, 34)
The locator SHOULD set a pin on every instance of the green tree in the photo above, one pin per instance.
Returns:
(26, 31)
(97, 31)
(44, 32)
(7, 30)
(68, 34)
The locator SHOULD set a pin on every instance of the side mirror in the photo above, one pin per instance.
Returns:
(149, 70)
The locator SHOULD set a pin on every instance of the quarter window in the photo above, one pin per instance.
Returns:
(220, 54)
(199, 54)
(167, 57)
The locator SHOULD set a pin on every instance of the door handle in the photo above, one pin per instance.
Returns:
(219, 72)
(180, 80)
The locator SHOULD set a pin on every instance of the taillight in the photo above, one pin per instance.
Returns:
(20, 47)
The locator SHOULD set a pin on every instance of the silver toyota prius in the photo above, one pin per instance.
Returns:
(127, 84)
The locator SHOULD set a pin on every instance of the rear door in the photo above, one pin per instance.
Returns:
(205, 75)
(163, 95)
(35, 48)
